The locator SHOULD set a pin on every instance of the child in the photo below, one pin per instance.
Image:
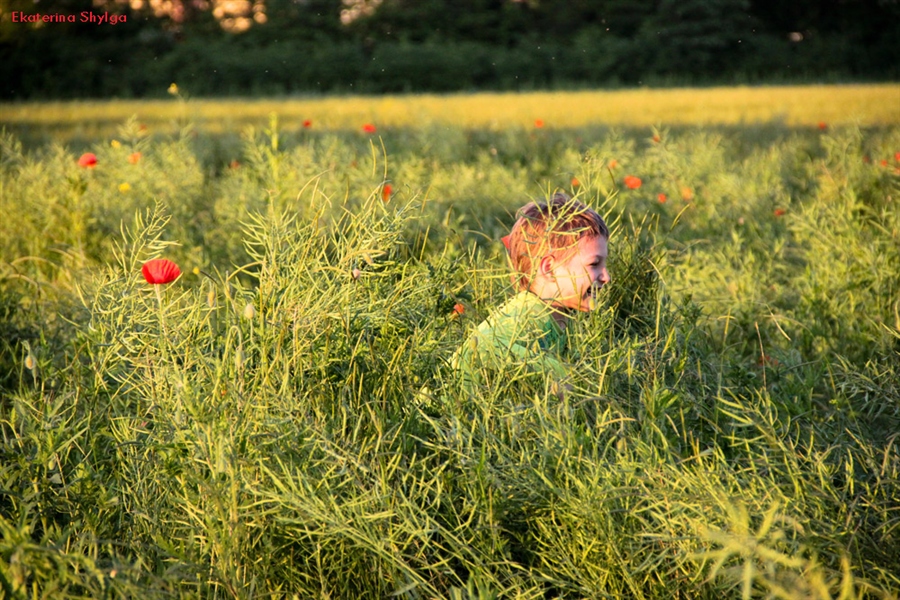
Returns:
(558, 250)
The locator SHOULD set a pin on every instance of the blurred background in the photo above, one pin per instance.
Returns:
(303, 47)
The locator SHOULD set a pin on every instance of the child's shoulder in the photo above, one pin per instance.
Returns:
(523, 316)
(522, 306)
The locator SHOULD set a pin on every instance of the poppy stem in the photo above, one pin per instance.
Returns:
(162, 319)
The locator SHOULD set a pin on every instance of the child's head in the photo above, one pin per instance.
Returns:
(558, 250)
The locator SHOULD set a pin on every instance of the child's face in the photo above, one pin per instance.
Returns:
(572, 282)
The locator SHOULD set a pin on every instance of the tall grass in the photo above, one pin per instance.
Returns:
(255, 429)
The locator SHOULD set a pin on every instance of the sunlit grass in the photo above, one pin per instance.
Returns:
(802, 106)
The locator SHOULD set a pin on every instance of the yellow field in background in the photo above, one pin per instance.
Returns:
(790, 105)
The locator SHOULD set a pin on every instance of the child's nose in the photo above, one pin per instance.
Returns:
(604, 276)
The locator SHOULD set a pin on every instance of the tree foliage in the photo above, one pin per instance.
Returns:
(290, 46)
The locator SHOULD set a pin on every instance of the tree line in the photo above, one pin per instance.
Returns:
(255, 47)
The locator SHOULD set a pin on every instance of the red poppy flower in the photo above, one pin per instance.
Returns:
(661, 198)
(458, 309)
(822, 125)
(779, 212)
(656, 139)
(134, 157)
(369, 128)
(160, 270)
(234, 164)
(505, 240)
(538, 123)
(766, 360)
(88, 160)
(575, 182)
(386, 192)
(686, 194)
(307, 124)
(613, 164)
(632, 182)
(897, 156)
(883, 163)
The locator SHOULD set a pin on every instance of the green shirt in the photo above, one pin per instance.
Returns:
(519, 336)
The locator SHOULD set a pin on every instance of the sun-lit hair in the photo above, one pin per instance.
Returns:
(553, 227)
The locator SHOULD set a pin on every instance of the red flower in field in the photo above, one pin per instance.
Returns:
(539, 123)
(88, 160)
(686, 194)
(234, 164)
(779, 212)
(160, 270)
(386, 192)
(661, 198)
(613, 164)
(766, 360)
(656, 138)
(632, 182)
(307, 124)
(575, 182)
(369, 128)
(897, 156)
(505, 240)
(458, 309)
(142, 128)
(823, 125)
(134, 157)
(883, 163)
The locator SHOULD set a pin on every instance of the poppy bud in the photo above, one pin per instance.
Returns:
(355, 273)
(249, 311)
(30, 363)
(239, 359)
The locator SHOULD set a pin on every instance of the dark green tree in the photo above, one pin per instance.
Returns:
(696, 37)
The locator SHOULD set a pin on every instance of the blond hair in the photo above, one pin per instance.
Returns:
(553, 227)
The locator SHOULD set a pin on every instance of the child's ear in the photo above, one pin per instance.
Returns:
(546, 266)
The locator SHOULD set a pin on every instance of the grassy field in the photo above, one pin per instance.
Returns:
(806, 106)
(253, 429)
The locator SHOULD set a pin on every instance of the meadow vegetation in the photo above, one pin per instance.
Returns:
(253, 429)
